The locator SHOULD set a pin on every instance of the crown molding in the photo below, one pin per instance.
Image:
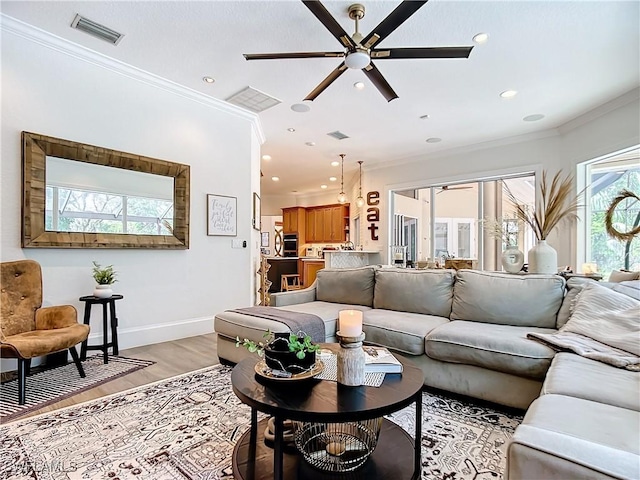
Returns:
(467, 149)
(600, 110)
(36, 35)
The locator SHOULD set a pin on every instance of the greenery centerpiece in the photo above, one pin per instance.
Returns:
(556, 203)
(104, 277)
(288, 352)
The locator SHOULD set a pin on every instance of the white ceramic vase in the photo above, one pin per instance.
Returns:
(103, 291)
(543, 258)
(512, 259)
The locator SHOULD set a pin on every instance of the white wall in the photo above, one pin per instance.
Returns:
(606, 129)
(62, 90)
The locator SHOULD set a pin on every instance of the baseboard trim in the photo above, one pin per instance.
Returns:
(161, 332)
(139, 336)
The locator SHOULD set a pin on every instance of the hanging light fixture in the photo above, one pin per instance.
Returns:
(360, 200)
(342, 197)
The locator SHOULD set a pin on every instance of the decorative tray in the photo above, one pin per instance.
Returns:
(266, 372)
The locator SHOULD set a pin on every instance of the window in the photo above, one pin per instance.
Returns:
(606, 178)
(76, 210)
(447, 219)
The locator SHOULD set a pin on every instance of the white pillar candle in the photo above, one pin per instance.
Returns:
(350, 323)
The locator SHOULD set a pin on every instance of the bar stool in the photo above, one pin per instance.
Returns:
(286, 285)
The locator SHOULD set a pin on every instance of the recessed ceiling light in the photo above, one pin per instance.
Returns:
(300, 107)
(266, 157)
(533, 118)
(208, 79)
(290, 129)
(424, 117)
(358, 85)
(323, 186)
(509, 93)
(433, 140)
(310, 144)
(332, 179)
(335, 163)
(275, 179)
(481, 37)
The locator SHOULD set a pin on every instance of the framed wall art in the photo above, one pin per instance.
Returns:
(222, 215)
(264, 239)
(256, 211)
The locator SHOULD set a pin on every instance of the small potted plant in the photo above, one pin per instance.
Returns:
(293, 353)
(104, 277)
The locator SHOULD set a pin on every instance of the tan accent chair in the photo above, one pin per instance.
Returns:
(27, 329)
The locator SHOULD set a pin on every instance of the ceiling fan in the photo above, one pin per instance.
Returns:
(446, 188)
(359, 50)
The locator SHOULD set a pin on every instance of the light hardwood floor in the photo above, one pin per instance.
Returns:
(172, 358)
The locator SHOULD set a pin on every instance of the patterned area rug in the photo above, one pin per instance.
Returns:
(185, 428)
(52, 385)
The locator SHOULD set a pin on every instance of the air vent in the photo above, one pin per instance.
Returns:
(338, 135)
(100, 31)
(253, 100)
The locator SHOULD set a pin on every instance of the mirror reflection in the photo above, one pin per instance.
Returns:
(82, 197)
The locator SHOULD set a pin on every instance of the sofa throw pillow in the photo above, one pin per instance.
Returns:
(352, 286)
(623, 276)
(574, 287)
(604, 326)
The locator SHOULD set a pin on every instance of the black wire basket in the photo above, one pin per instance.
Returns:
(337, 447)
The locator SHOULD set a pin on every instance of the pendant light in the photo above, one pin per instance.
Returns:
(342, 197)
(360, 200)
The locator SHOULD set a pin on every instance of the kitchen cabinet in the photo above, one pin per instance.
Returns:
(327, 223)
(293, 218)
(309, 269)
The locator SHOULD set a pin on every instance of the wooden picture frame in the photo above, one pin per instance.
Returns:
(222, 215)
(35, 150)
(256, 221)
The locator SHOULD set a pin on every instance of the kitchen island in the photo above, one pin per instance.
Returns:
(351, 258)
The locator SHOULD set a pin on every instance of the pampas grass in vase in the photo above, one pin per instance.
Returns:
(556, 204)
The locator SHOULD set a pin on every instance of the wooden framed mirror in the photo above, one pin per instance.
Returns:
(82, 196)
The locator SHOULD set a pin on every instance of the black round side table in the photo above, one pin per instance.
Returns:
(110, 302)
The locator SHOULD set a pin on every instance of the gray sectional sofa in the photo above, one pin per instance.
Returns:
(467, 331)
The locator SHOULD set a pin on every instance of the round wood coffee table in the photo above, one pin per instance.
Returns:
(396, 457)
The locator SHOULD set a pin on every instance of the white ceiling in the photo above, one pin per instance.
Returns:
(564, 58)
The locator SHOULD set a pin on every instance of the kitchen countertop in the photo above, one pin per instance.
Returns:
(282, 258)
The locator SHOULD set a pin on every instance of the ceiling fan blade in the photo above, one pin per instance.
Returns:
(393, 21)
(329, 22)
(275, 56)
(379, 81)
(422, 52)
(327, 81)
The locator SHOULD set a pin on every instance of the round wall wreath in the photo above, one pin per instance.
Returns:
(608, 219)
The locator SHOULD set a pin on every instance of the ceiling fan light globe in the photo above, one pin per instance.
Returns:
(359, 202)
(357, 60)
(342, 197)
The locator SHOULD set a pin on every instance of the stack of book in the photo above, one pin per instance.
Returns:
(379, 359)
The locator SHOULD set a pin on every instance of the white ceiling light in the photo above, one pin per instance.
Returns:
(360, 200)
(342, 197)
(310, 144)
(300, 107)
(481, 38)
(509, 93)
(291, 129)
(208, 79)
(358, 59)
(275, 179)
(323, 186)
(332, 179)
(533, 118)
(266, 157)
(358, 85)
(335, 164)
(424, 117)
(433, 140)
